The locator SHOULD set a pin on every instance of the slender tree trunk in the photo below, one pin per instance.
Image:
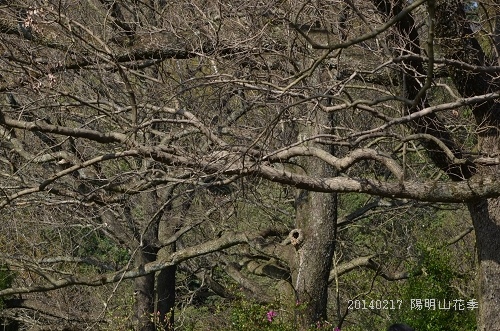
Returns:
(166, 297)
(316, 221)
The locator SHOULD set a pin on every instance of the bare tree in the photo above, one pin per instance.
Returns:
(140, 121)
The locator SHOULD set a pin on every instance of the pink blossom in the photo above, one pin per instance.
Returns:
(271, 315)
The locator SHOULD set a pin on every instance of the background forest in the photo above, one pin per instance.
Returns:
(249, 165)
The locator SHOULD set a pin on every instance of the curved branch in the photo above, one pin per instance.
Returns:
(367, 262)
(461, 102)
(341, 164)
(353, 216)
(478, 186)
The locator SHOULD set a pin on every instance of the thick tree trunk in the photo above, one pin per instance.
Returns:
(145, 313)
(485, 215)
(165, 287)
(314, 257)
(144, 294)
(316, 220)
(486, 218)
(166, 296)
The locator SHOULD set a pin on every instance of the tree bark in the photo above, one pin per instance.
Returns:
(485, 215)
(169, 221)
(166, 296)
(147, 236)
(144, 293)
(165, 282)
(316, 222)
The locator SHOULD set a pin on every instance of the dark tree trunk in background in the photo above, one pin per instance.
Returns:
(144, 289)
(170, 220)
(485, 215)
(165, 291)
(145, 298)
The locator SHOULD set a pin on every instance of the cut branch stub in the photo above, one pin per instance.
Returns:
(296, 237)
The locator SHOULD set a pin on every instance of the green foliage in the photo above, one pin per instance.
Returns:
(404, 237)
(247, 315)
(435, 286)
(101, 247)
(6, 279)
(351, 201)
(244, 314)
(120, 314)
(240, 314)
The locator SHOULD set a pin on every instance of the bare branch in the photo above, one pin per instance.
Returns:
(226, 241)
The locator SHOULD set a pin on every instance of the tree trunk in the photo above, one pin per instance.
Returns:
(485, 215)
(144, 307)
(168, 224)
(144, 294)
(166, 297)
(486, 219)
(165, 291)
(316, 223)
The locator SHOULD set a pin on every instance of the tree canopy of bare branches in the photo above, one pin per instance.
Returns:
(155, 124)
